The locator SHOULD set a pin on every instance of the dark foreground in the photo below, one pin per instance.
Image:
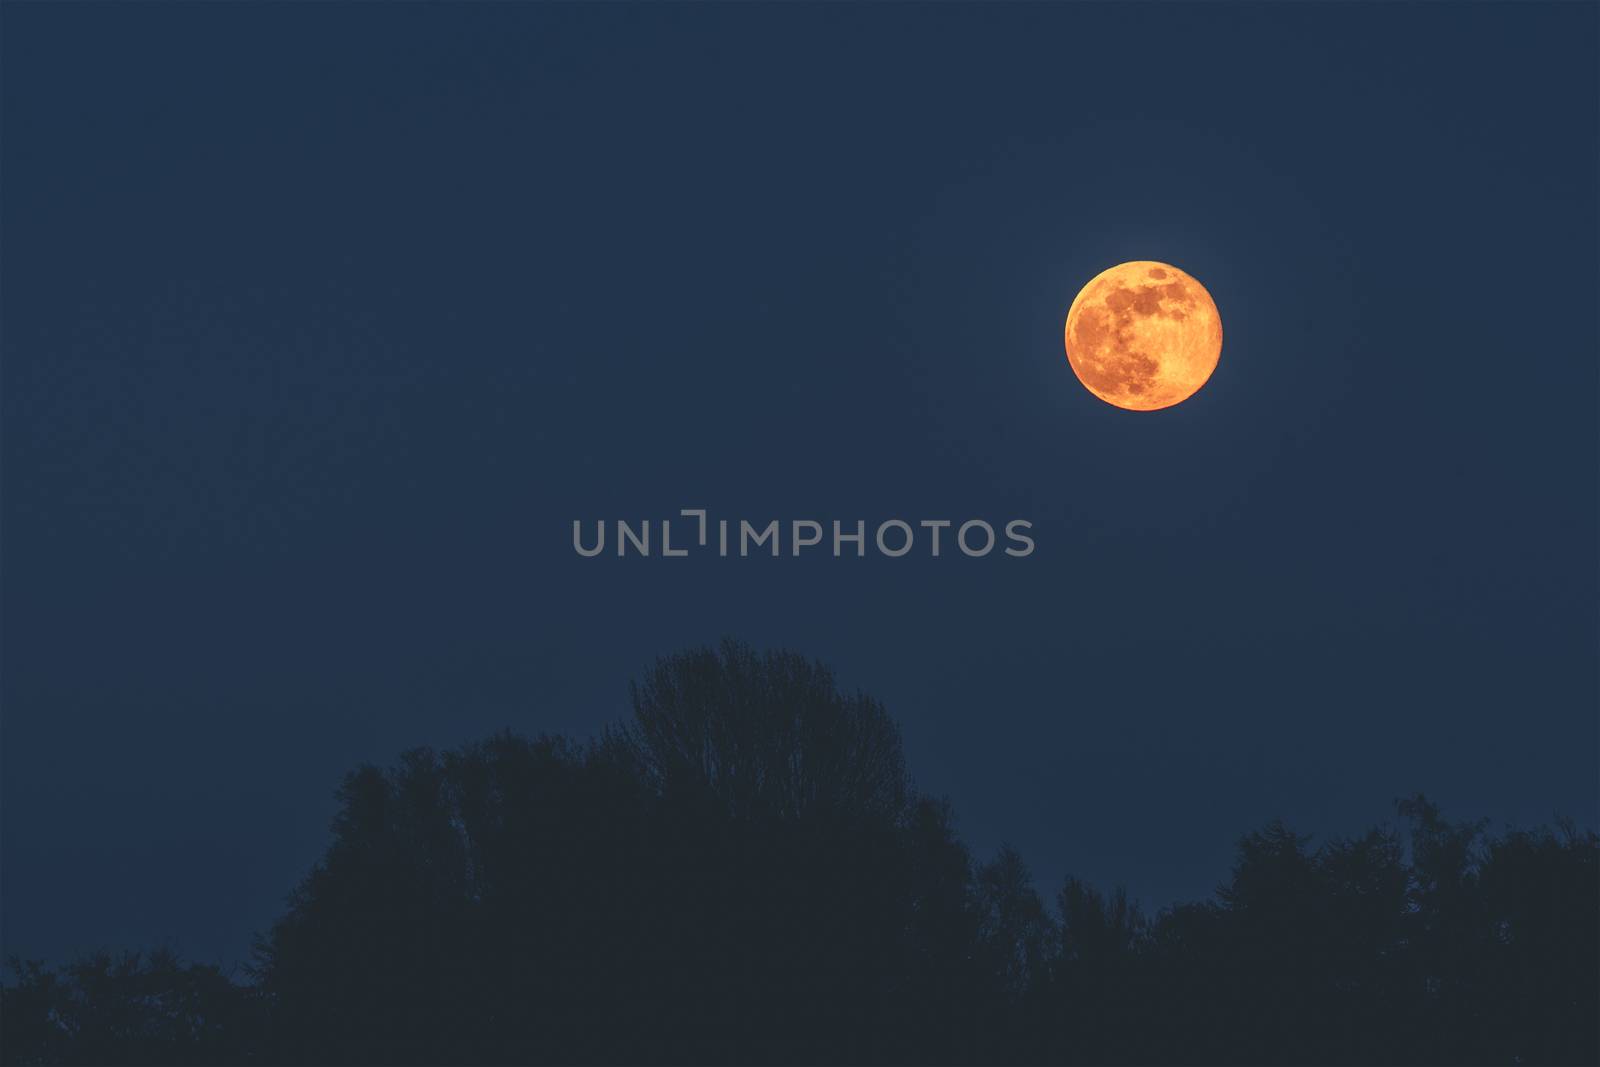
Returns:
(743, 874)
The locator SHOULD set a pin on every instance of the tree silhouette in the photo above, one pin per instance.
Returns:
(133, 1009)
(743, 873)
(766, 736)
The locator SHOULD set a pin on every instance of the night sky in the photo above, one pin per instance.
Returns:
(323, 323)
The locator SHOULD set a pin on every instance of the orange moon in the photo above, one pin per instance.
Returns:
(1143, 335)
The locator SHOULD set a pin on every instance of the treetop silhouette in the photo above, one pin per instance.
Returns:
(743, 873)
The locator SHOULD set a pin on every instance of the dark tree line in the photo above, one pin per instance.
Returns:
(742, 874)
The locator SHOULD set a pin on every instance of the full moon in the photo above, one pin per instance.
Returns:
(1143, 335)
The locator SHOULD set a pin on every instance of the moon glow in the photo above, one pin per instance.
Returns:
(1143, 335)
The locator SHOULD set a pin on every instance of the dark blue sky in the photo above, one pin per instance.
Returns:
(322, 324)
